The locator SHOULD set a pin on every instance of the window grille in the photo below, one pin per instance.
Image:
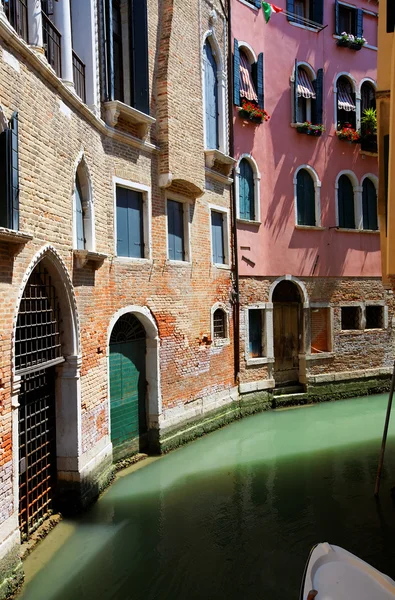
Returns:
(79, 76)
(219, 324)
(374, 317)
(37, 331)
(127, 329)
(350, 317)
(51, 41)
(16, 11)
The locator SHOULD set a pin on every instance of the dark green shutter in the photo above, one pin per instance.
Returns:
(318, 11)
(260, 81)
(175, 230)
(295, 91)
(258, 3)
(139, 54)
(317, 104)
(246, 191)
(386, 146)
(359, 22)
(130, 236)
(390, 16)
(9, 173)
(236, 73)
(217, 236)
(290, 10)
(305, 198)
(346, 203)
(337, 18)
(109, 48)
(369, 205)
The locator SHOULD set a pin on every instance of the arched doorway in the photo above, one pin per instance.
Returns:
(287, 332)
(38, 350)
(128, 386)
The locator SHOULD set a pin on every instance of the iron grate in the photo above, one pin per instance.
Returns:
(127, 329)
(219, 324)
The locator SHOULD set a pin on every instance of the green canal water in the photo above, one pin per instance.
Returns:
(233, 515)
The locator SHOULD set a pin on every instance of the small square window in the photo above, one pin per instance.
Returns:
(256, 333)
(320, 330)
(374, 317)
(350, 317)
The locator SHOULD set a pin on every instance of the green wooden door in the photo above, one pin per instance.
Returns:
(127, 396)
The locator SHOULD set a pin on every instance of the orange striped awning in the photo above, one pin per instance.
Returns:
(247, 87)
(305, 87)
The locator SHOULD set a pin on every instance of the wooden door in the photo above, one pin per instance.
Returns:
(286, 342)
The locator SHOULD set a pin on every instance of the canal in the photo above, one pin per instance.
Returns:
(233, 515)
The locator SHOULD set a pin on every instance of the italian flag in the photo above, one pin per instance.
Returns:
(269, 9)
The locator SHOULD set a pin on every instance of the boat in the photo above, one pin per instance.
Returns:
(332, 573)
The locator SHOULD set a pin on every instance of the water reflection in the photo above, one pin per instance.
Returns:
(233, 515)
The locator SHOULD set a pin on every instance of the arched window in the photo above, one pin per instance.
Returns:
(246, 191)
(368, 117)
(346, 103)
(84, 236)
(219, 324)
(307, 95)
(248, 75)
(346, 206)
(210, 98)
(79, 216)
(305, 198)
(369, 205)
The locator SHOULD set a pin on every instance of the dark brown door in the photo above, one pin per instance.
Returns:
(286, 342)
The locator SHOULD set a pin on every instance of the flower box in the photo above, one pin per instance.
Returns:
(244, 114)
(310, 129)
(349, 134)
(252, 112)
(348, 40)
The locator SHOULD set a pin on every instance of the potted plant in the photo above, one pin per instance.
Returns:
(351, 41)
(252, 112)
(369, 130)
(308, 128)
(348, 134)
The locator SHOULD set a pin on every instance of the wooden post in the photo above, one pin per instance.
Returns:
(384, 440)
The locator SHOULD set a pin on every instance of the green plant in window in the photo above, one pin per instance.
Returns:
(369, 121)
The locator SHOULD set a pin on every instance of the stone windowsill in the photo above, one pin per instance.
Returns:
(14, 237)
(318, 355)
(249, 222)
(311, 227)
(216, 156)
(263, 360)
(116, 109)
(345, 230)
(367, 153)
(84, 256)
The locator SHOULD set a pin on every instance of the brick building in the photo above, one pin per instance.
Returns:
(115, 246)
(313, 310)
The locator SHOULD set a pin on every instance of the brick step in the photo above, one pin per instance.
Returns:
(289, 390)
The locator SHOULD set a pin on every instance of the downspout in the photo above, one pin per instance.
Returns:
(235, 266)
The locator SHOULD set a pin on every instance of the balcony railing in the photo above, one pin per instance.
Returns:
(16, 11)
(79, 76)
(51, 40)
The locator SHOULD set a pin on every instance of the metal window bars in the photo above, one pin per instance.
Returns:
(16, 12)
(51, 40)
(219, 324)
(79, 76)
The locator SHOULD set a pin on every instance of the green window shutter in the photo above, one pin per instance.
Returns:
(139, 54)
(305, 198)
(346, 203)
(359, 22)
(295, 91)
(260, 81)
(236, 73)
(369, 205)
(109, 49)
(217, 237)
(79, 217)
(386, 146)
(175, 230)
(9, 167)
(258, 3)
(130, 236)
(290, 9)
(337, 18)
(317, 108)
(246, 191)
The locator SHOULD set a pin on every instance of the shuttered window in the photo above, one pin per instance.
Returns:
(255, 333)
(130, 237)
(138, 82)
(218, 237)
(257, 77)
(79, 216)
(320, 327)
(305, 198)
(348, 19)
(369, 205)
(9, 175)
(346, 203)
(299, 10)
(175, 230)
(246, 191)
(210, 98)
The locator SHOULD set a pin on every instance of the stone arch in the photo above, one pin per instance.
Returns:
(248, 51)
(257, 185)
(317, 192)
(154, 397)
(299, 284)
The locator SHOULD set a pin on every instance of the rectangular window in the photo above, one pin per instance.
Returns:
(9, 175)
(256, 333)
(175, 230)
(390, 16)
(320, 330)
(350, 317)
(218, 237)
(374, 317)
(130, 232)
(347, 19)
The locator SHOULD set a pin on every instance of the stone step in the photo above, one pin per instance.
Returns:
(288, 390)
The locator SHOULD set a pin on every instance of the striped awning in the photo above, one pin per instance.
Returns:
(344, 97)
(247, 87)
(305, 87)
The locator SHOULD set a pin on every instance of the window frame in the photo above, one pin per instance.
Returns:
(356, 93)
(267, 322)
(145, 190)
(210, 38)
(257, 191)
(322, 305)
(186, 203)
(225, 340)
(361, 315)
(226, 235)
(81, 172)
(356, 200)
(317, 196)
(374, 180)
(313, 76)
(384, 308)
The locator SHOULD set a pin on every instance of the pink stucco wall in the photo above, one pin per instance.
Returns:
(276, 246)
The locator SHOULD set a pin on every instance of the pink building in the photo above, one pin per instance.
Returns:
(313, 310)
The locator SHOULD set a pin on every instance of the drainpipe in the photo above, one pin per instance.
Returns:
(235, 266)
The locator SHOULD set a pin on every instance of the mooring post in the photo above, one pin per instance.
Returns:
(384, 441)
